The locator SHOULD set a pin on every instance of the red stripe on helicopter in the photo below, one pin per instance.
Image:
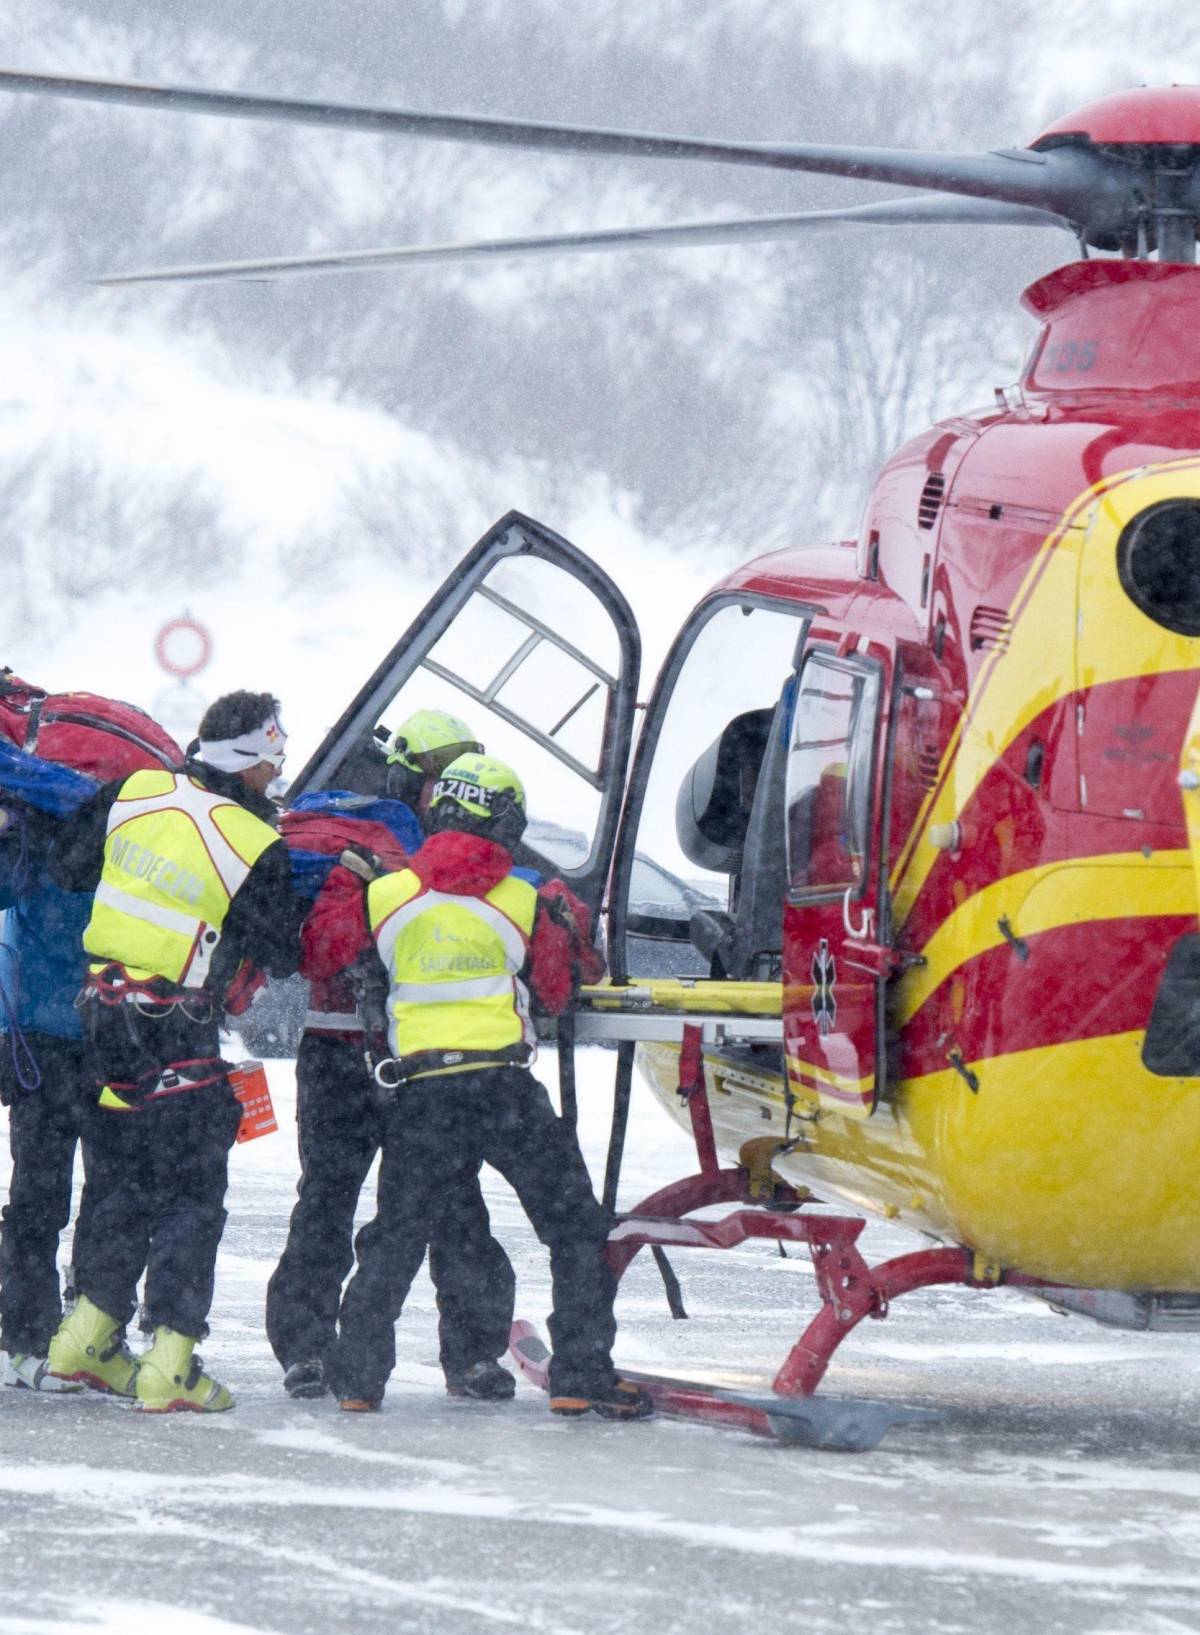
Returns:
(1078, 982)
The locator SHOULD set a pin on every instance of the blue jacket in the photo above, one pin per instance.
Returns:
(41, 928)
(42, 959)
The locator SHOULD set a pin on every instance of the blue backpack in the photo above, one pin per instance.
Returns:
(319, 827)
(32, 791)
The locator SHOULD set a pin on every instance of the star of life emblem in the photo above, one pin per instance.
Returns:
(824, 975)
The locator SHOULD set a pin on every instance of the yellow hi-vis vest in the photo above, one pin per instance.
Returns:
(452, 963)
(174, 856)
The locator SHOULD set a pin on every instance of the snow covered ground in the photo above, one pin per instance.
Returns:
(1060, 1492)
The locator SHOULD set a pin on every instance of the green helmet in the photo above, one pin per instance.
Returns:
(429, 740)
(480, 794)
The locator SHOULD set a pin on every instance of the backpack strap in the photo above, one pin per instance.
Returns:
(35, 724)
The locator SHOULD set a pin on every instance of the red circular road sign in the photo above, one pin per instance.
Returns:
(183, 647)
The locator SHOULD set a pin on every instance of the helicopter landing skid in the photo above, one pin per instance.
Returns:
(850, 1290)
(840, 1424)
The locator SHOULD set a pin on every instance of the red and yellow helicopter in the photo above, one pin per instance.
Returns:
(922, 917)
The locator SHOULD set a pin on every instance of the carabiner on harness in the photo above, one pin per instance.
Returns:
(113, 986)
(392, 1071)
(389, 1073)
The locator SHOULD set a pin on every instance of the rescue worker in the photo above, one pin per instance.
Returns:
(192, 886)
(453, 936)
(46, 1084)
(403, 765)
(339, 1135)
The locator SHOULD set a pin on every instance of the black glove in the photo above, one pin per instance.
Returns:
(361, 860)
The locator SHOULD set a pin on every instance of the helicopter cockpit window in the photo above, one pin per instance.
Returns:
(829, 777)
(530, 664)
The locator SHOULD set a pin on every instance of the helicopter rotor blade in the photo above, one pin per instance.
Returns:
(1056, 181)
(930, 210)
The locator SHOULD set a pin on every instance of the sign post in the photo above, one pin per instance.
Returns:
(183, 648)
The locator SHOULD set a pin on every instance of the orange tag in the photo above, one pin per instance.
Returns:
(250, 1087)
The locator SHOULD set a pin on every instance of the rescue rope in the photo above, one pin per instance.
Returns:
(114, 986)
(22, 876)
(23, 1059)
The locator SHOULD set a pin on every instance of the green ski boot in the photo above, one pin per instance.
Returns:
(171, 1380)
(88, 1349)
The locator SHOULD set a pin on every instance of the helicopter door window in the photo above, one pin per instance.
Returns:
(830, 776)
(701, 757)
(533, 695)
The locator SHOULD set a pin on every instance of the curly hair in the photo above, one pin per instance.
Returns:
(236, 713)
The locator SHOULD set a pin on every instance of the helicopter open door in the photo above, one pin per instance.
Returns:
(835, 912)
(537, 650)
(699, 873)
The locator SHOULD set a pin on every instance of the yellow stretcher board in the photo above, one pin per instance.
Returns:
(660, 1009)
(671, 994)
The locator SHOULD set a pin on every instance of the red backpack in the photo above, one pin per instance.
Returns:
(99, 736)
(329, 833)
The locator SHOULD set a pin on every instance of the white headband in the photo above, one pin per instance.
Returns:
(265, 743)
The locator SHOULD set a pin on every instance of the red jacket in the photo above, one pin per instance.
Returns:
(337, 932)
(333, 996)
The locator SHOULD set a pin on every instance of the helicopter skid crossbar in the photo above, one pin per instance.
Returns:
(850, 1289)
(666, 1207)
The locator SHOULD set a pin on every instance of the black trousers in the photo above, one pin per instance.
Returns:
(45, 1126)
(340, 1131)
(159, 1177)
(435, 1134)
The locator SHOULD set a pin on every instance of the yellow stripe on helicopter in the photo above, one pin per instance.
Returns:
(1092, 1192)
(823, 1079)
(1132, 887)
(1045, 659)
